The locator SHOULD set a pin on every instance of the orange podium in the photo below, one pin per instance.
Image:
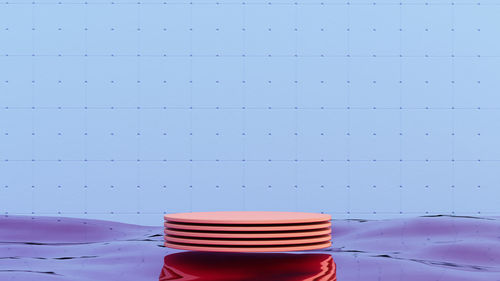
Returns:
(247, 231)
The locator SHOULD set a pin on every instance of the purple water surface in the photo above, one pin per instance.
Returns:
(424, 248)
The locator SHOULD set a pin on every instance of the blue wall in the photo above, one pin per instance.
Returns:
(125, 110)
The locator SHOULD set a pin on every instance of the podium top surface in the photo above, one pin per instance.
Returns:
(247, 217)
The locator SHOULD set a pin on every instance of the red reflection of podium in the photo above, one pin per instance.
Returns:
(212, 266)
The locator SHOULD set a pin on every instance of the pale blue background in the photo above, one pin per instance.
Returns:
(128, 110)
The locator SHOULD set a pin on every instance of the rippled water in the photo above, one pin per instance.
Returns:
(425, 248)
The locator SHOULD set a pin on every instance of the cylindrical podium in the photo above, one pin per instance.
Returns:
(247, 231)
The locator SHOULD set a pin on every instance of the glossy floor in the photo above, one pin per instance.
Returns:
(424, 248)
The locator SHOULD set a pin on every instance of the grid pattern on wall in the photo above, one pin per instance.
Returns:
(127, 110)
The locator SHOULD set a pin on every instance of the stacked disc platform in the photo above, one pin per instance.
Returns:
(247, 231)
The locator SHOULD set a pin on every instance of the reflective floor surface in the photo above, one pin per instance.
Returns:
(423, 248)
